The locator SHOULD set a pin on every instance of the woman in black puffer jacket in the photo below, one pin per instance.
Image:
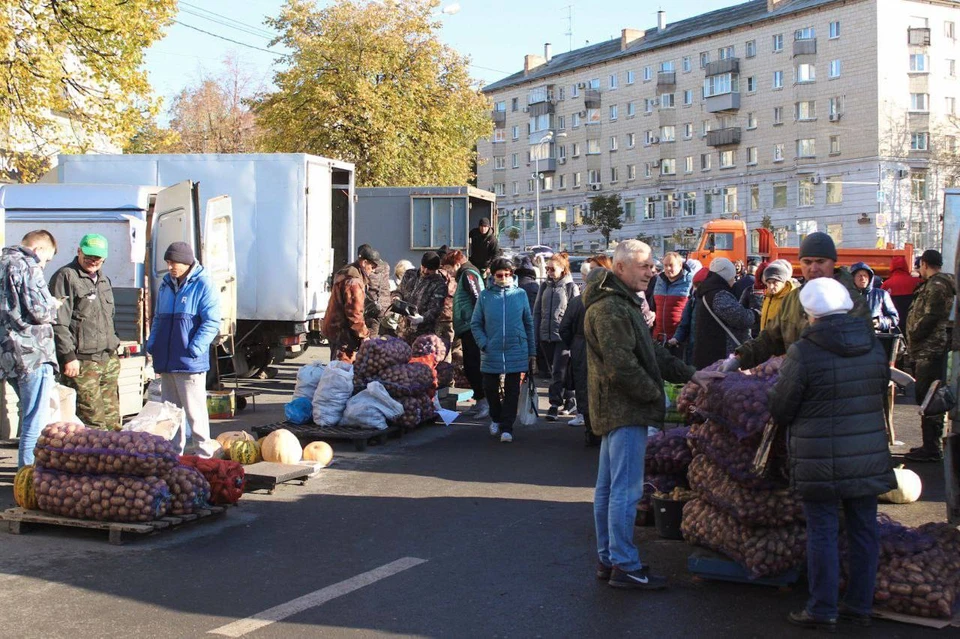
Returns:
(830, 396)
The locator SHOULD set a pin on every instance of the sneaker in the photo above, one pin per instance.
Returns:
(805, 620)
(917, 449)
(636, 580)
(569, 408)
(576, 421)
(604, 571)
(856, 618)
(481, 410)
(924, 456)
(552, 414)
(494, 429)
(506, 438)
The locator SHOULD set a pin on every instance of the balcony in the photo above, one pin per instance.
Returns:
(547, 165)
(666, 79)
(724, 137)
(591, 98)
(499, 117)
(722, 102)
(728, 65)
(806, 46)
(542, 108)
(918, 37)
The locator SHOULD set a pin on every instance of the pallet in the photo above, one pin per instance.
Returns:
(307, 433)
(710, 566)
(268, 475)
(19, 520)
(939, 624)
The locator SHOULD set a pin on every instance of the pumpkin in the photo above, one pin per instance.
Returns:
(245, 451)
(908, 487)
(23, 492)
(281, 446)
(227, 438)
(318, 452)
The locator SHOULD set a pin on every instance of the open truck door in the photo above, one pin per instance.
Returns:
(219, 259)
(175, 219)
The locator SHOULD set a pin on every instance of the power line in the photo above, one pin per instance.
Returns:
(242, 44)
(226, 21)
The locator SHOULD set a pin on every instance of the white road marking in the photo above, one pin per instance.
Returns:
(315, 598)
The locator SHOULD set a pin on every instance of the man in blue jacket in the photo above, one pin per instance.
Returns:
(185, 323)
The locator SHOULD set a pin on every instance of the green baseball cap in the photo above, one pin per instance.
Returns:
(94, 245)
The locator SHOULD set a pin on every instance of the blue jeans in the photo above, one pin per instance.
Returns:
(33, 394)
(619, 488)
(823, 557)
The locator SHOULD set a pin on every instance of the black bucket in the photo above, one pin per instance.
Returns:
(667, 515)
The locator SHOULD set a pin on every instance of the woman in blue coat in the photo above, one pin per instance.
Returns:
(502, 326)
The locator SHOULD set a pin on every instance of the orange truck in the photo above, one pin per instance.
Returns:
(732, 240)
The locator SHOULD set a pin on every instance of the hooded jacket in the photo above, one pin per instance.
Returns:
(483, 248)
(930, 317)
(901, 286)
(527, 280)
(85, 320)
(710, 341)
(881, 306)
(626, 368)
(550, 306)
(185, 323)
(377, 299)
(786, 326)
(469, 287)
(670, 298)
(27, 314)
(830, 397)
(502, 326)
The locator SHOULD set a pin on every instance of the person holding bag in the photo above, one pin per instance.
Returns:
(722, 324)
(502, 326)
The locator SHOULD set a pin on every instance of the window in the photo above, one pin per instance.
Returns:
(613, 82)
(648, 105)
(918, 186)
(614, 174)
(646, 169)
(730, 200)
(778, 152)
(806, 73)
(667, 101)
(577, 179)
(631, 171)
(727, 52)
(806, 147)
(834, 29)
(441, 220)
(668, 133)
(778, 79)
(721, 84)
(650, 207)
(594, 84)
(951, 67)
(515, 133)
(708, 205)
(834, 145)
(919, 102)
(751, 155)
(631, 109)
(613, 143)
(593, 176)
(500, 188)
(688, 130)
(751, 48)
(649, 138)
(540, 123)
(575, 120)
(593, 116)
(779, 195)
(547, 183)
(667, 66)
(689, 204)
(631, 140)
(805, 110)
(705, 127)
(777, 115)
(499, 135)
(778, 42)
(630, 77)
(560, 96)
(647, 74)
(670, 205)
(629, 210)
(574, 90)
(728, 159)
(668, 166)
(515, 161)
(688, 164)
(562, 151)
(705, 161)
(516, 188)
(704, 59)
(835, 105)
(805, 193)
(950, 105)
(687, 97)
(834, 190)
(919, 141)
(919, 63)
(561, 181)
(751, 84)
(686, 63)
(593, 146)
(834, 71)
(561, 122)
(948, 30)
(531, 185)
(751, 120)
(754, 197)
(500, 106)
(575, 149)
(499, 162)
(807, 33)
(613, 112)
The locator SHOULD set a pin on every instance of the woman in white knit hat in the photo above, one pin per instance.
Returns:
(778, 278)
(721, 323)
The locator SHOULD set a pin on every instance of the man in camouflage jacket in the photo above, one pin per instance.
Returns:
(428, 290)
(928, 325)
(28, 356)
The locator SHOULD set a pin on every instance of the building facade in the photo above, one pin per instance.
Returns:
(798, 115)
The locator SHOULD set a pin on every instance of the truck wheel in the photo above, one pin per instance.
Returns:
(303, 350)
(258, 360)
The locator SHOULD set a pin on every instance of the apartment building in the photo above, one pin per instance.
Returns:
(798, 115)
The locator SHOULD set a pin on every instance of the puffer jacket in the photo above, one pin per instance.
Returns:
(502, 326)
(469, 287)
(344, 322)
(551, 303)
(830, 397)
(27, 314)
(881, 306)
(930, 317)
(711, 342)
(901, 286)
(85, 321)
(785, 327)
(626, 368)
(185, 323)
(670, 298)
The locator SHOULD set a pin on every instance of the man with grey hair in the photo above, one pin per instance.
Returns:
(626, 369)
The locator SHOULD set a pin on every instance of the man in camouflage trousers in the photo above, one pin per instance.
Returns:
(86, 337)
(927, 342)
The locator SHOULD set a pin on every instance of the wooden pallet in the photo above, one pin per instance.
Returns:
(19, 520)
(307, 433)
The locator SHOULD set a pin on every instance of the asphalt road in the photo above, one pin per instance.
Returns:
(443, 533)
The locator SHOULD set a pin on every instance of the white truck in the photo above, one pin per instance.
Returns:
(293, 228)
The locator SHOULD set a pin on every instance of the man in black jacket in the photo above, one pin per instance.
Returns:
(830, 395)
(85, 334)
(483, 245)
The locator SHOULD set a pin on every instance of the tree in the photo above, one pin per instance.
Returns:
(766, 223)
(605, 214)
(152, 138)
(513, 234)
(72, 74)
(371, 83)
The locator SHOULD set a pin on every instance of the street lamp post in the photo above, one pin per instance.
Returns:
(537, 176)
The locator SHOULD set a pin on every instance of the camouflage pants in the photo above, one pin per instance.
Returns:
(98, 397)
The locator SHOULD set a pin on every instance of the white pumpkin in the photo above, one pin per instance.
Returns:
(281, 446)
(908, 487)
(318, 452)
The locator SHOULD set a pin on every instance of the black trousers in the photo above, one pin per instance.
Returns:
(927, 371)
(503, 411)
(558, 356)
(471, 364)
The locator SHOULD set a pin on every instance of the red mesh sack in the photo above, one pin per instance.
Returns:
(227, 478)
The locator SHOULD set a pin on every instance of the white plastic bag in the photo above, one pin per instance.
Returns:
(155, 390)
(63, 405)
(163, 419)
(371, 408)
(308, 378)
(527, 404)
(333, 393)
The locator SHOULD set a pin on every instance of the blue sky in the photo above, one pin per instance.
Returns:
(496, 34)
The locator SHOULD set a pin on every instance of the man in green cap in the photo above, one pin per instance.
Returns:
(86, 338)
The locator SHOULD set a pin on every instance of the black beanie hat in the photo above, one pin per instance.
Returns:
(368, 253)
(179, 252)
(484, 221)
(818, 244)
(430, 260)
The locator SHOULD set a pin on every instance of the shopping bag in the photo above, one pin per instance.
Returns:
(527, 404)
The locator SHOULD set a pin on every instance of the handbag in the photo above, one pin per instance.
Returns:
(939, 400)
(527, 403)
(722, 325)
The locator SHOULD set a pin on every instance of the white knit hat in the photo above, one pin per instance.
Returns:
(724, 268)
(825, 296)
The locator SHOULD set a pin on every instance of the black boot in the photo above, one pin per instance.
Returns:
(932, 449)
